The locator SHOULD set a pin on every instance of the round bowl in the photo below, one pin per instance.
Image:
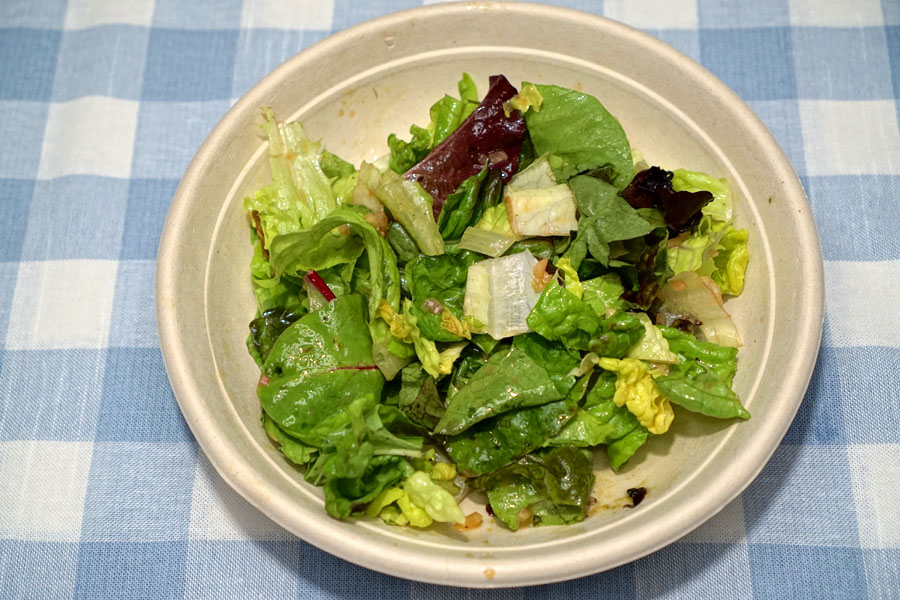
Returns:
(351, 91)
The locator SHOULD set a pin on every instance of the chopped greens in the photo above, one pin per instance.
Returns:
(501, 298)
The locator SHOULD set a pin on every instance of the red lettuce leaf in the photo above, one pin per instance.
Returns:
(652, 188)
(486, 135)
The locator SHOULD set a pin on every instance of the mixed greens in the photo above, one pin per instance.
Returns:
(486, 306)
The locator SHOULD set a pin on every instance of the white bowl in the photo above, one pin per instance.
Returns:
(355, 88)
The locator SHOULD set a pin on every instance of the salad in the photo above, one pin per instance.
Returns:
(504, 295)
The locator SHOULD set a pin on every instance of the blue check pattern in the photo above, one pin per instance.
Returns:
(103, 491)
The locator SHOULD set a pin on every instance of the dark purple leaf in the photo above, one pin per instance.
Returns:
(486, 135)
(652, 188)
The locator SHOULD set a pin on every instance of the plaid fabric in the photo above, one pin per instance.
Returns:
(103, 492)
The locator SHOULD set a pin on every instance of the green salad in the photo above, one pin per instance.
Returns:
(509, 291)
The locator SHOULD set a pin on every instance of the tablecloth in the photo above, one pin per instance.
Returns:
(103, 491)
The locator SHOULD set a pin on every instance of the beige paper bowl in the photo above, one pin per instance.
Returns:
(351, 91)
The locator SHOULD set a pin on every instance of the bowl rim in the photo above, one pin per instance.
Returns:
(384, 557)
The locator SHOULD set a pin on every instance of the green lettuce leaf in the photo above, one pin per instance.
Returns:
(324, 246)
(720, 209)
(508, 381)
(459, 207)
(624, 448)
(437, 502)
(419, 398)
(604, 292)
(495, 442)
(605, 217)
(555, 485)
(446, 115)
(441, 278)
(271, 290)
(381, 472)
(730, 261)
(560, 316)
(600, 421)
(295, 162)
(411, 206)
(701, 382)
(555, 358)
(578, 130)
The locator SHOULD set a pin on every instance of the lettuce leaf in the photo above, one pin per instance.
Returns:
(411, 206)
(441, 278)
(720, 208)
(325, 245)
(701, 382)
(636, 391)
(300, 184)
(271, 290)
(508, 381)
(460, 206)
(624, 448)
(555, 485)
(560, 316)
(486, 134)
(599, 421)
(435, 500)
(580, 132)
(730, 261)
(605, 217)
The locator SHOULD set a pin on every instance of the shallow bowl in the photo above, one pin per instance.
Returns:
(351, 91)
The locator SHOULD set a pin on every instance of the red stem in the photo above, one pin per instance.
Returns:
(319, 283)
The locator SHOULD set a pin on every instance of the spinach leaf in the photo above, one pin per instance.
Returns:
(295, 450)
(419, 399)
(555, 484)
(441, 278)
(317, 367)
(605, 217)
(492, 443)
(265, 329)
(556, 359)
(561, 315)
(506, 382)
(576, 128)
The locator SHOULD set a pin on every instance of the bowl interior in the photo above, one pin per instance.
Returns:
(351, 92)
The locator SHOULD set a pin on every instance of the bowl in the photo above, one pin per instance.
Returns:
(353, 89)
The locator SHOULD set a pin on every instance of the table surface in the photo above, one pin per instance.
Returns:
(103, 491)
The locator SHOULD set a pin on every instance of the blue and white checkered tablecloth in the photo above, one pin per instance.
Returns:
(103, 491)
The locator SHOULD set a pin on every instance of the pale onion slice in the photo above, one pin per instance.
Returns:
(690, 294)
(486, 242)
(499, 294)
